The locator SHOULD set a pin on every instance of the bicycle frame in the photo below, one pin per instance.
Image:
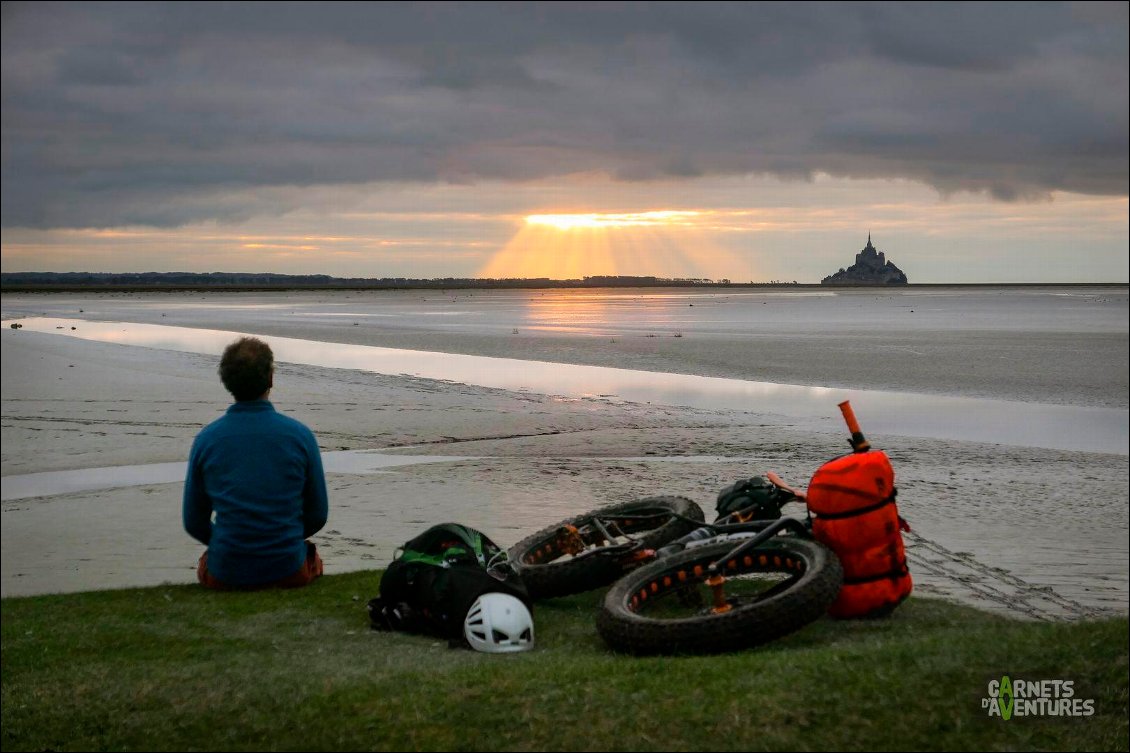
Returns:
(732, 523)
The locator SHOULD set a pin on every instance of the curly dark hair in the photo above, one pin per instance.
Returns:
(246, 368)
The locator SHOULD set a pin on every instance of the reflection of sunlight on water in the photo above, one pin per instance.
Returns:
(719, 296)
(595, 313)
(583, 313)
(565, 312)
(891, 413)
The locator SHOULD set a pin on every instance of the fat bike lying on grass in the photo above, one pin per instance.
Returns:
(751, 576)
(592, 550)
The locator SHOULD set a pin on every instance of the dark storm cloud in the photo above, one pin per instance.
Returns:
(165, 114)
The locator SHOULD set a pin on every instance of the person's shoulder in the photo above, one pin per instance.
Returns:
(210, 434)
(293, 424)
(215, 426)
(300, 431)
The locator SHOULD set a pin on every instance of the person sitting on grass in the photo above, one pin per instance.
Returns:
(260, 473)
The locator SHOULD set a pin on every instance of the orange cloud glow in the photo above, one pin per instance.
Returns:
(622, 220)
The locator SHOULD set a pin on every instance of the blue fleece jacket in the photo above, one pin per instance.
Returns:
(260, 472)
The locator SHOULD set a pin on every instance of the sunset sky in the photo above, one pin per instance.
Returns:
(975, 142)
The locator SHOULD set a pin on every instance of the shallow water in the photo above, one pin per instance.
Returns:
(51, 483)
(890, 413)
(624, 312)
(360, 462)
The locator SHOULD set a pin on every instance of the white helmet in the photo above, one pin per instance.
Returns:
(499, 623)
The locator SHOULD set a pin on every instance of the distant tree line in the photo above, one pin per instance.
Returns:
(13, 281)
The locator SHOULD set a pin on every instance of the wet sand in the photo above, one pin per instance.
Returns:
(1031, 531)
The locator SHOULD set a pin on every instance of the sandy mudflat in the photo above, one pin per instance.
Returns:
(1024, 529)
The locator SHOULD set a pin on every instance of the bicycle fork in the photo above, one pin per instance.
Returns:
(717, 581)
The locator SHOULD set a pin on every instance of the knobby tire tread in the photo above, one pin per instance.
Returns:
(569, 576)
(745, 626)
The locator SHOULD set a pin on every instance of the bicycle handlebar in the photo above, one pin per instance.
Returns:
(858, 442)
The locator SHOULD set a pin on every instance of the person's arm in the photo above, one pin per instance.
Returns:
(197, 510)
(315, 500)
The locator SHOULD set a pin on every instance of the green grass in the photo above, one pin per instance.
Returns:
(180, 668)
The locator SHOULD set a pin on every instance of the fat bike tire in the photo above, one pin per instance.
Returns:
(549, 571)
(665, 607)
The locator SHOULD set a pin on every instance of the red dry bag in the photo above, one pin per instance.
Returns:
(853, 499)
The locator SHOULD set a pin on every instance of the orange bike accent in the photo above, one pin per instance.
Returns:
(849, 417)
(720, 604)
(776, 481)
(569, 540)
(640, 555)
(858, 442)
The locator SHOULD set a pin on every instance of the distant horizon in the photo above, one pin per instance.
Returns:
(15, 282)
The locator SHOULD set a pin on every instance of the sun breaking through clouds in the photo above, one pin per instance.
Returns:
(611, 221)
(661, 243)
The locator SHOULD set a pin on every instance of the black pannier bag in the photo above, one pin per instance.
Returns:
(436, 578)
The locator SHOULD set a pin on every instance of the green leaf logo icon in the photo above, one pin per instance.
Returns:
(1006, 698)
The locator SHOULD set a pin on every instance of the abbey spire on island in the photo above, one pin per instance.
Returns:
(871, 268)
